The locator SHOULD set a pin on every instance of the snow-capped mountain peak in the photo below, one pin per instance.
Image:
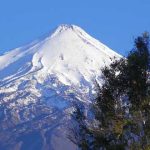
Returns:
(69, 53)
(40, 82)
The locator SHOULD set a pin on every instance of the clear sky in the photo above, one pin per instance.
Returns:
(114, 22)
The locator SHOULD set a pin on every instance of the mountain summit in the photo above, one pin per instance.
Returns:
(69, 53)
(40, 82)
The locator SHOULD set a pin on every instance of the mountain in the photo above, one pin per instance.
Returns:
(39, 84)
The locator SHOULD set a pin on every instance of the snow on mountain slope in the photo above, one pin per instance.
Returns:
(69, 52)
(48, 75)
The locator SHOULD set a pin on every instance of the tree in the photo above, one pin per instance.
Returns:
(122, 107)
(138, 69)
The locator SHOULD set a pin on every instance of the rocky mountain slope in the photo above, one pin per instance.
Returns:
(40, 82)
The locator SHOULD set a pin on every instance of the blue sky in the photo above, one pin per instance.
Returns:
(114, 22)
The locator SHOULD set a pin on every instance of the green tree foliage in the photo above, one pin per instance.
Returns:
(122, 107)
